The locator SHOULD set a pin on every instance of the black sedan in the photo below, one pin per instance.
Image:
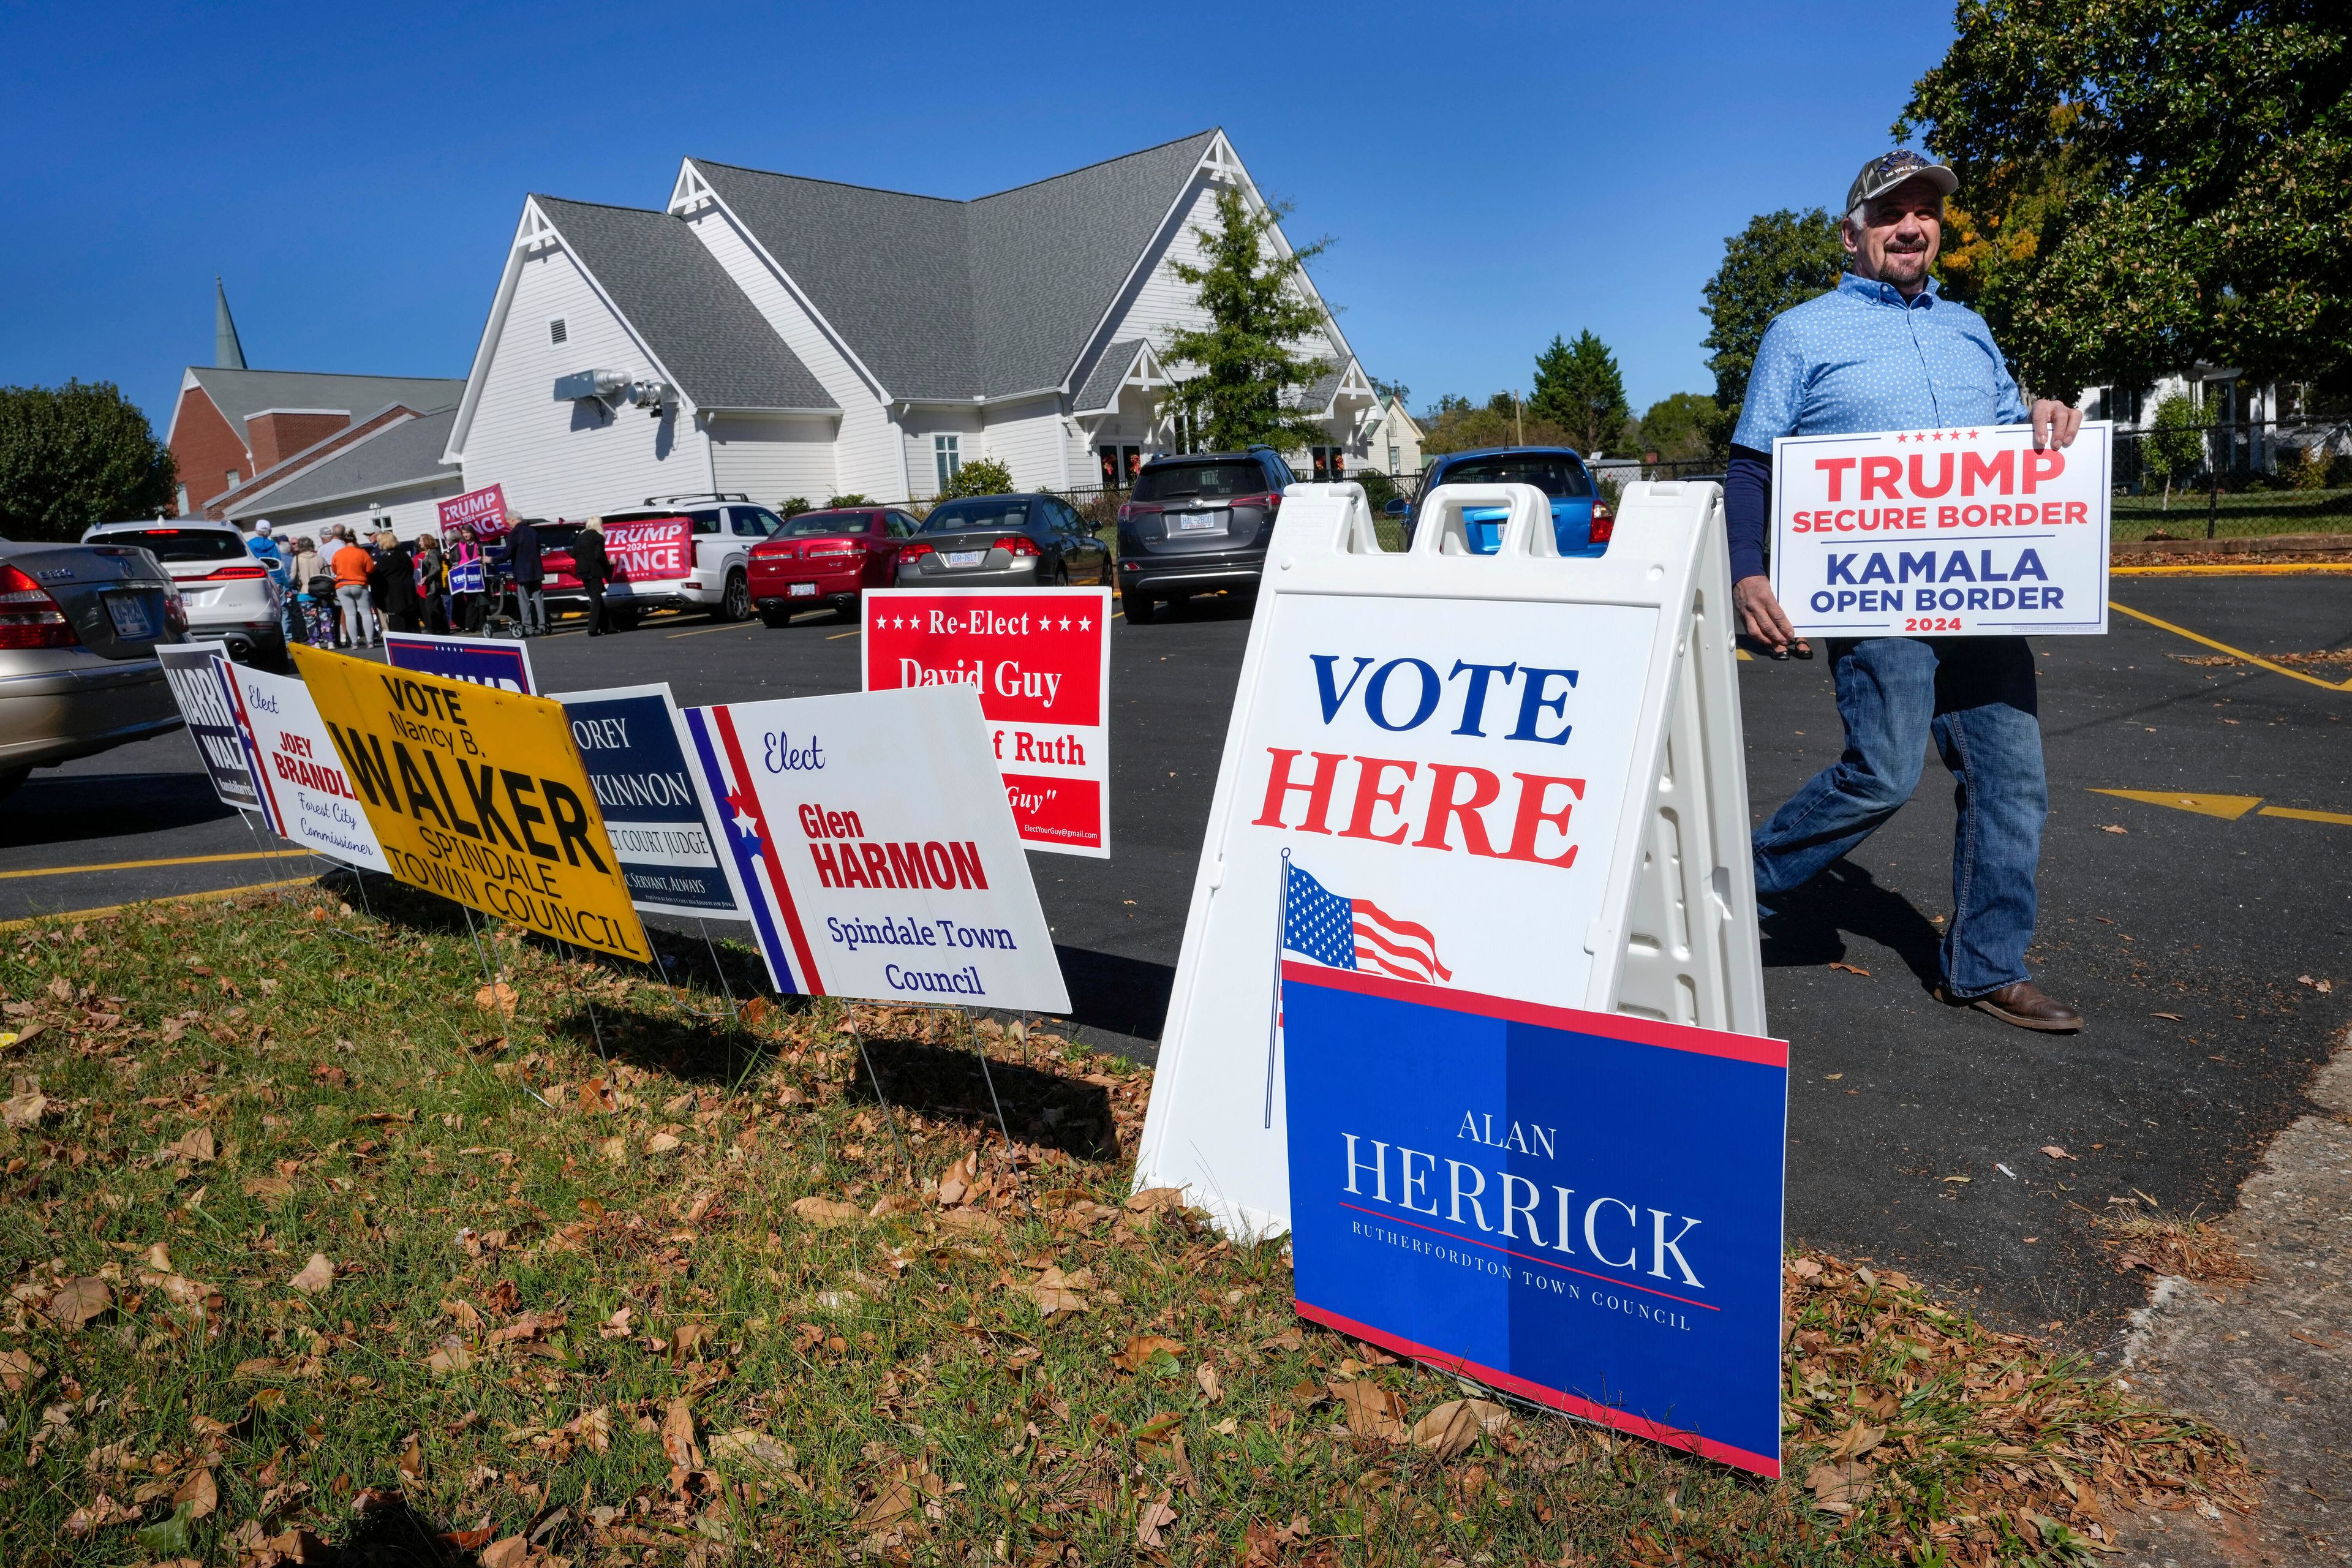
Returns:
(1004, 541)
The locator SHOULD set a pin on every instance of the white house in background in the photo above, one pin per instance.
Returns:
(1393, 439)
(781, 336)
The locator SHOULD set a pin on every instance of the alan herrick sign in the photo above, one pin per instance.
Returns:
(1582, 1208)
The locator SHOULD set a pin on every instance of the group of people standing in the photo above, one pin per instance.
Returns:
(342, 592)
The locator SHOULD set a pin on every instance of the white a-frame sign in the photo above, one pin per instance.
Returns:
(1515, 774)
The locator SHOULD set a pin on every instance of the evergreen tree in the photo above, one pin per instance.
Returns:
(1245, 366)
(1779, 259)
(1579, 388)
(76, 455)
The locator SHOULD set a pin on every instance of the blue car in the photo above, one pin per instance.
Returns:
(1582, 521)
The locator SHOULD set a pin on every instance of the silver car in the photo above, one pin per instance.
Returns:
(229, 593)
(78, 625)
(1004, 541)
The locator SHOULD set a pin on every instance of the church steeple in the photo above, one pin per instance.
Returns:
(227, 353)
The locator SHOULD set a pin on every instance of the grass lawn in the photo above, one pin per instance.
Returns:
(313, 1249)
(2248, 512)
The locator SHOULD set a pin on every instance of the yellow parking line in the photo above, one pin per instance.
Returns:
(2233, 652)
(2271, 569)
(139, 865)
(838, 635)
(167, 899)
(2305, 816)
(725, 626)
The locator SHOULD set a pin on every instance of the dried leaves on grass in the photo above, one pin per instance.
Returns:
(659, 1286)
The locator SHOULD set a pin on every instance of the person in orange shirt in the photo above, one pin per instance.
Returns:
(352, 563)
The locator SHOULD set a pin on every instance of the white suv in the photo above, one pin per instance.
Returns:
(724, 528)
(229, 593)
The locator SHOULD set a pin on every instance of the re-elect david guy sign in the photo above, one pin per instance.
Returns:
(1971, 532)
(876, 850)
(1040, 661)
(1582, 1208)
(635, 746)
(478, 795)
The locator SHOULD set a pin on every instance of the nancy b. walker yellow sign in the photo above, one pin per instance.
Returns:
(478, 795)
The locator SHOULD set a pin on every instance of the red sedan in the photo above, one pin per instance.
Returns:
(827, 558)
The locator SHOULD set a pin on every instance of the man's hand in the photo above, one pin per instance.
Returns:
(1760, 613)
(2056, 423)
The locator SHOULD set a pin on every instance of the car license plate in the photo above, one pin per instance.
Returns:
(130, 616)
(801, 590)
(963, 557)
(1202, 522)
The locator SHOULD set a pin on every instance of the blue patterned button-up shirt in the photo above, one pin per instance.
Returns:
(1862, 357)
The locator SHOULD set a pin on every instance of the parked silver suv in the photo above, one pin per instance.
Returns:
(229, 593)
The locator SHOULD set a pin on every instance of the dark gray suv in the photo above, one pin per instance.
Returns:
(1198, 523)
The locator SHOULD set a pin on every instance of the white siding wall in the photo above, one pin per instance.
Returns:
(1156, 300)
(568, 459)
(865, 447)
(918, 427)
(774, 458)
(1027, 438)
(411, 514)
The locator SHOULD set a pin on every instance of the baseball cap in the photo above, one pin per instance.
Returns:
(262, 527)
(1883, 174)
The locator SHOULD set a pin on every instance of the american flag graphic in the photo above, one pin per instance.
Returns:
(1354, 933)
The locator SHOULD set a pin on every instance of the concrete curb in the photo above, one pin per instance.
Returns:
(2268, 1362)
(2248, 544)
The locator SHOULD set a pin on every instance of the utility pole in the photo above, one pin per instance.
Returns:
(1518, 428)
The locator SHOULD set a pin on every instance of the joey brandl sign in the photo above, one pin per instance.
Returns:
(479, 794)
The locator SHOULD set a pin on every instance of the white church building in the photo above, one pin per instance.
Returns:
(783, 336)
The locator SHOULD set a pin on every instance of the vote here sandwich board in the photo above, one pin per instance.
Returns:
(1040, 661)
(305, 792)
(1476, 879)
(1969, 532)
(479, 794)
(876, 850)
(669, 842)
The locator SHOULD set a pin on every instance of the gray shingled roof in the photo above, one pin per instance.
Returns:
(405, 453)
(944, 299)
(700, 323)
(1102, 382)
(241, 393)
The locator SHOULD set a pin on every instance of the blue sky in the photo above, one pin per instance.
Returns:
(1491, 174)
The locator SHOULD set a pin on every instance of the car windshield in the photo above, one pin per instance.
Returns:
(182, 543)
(975, 516)
(820, 525)
(1205, 481)
(1562, 478)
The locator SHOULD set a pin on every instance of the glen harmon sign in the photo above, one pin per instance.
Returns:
(1969, 532)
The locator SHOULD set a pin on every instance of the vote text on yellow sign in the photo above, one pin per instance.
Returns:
(478, 795)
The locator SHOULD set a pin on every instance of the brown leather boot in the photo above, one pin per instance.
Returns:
(2022, 1002)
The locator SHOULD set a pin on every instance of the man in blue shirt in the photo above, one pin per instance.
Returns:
(1883, 350)
(265, 549)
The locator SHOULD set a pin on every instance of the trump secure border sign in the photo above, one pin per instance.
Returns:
(479, 794)
(1974, 533)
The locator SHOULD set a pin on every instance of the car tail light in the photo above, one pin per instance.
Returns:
(1135, 509)
(238, 573)
(915, 551)
(1016, 544)
(175, 610)
(1604, 522)
(28, 617)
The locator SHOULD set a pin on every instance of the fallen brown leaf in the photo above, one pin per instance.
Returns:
(957, 1182)
(1371, 1411)
(26, 1110)
(1853, 969)
(196, 1147)
(677, 1436)
(1840, 1487)
(1142, 1349)
(2055, 1152)
(1149, 1520)
(77, 1301)
(827, 1212)
(507, 1553)
(316, 1275)
(497, 998)
(1452, 1428)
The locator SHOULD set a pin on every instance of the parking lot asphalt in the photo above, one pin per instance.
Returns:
(2196, 939)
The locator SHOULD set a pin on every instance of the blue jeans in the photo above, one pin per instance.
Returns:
(1976, 697)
